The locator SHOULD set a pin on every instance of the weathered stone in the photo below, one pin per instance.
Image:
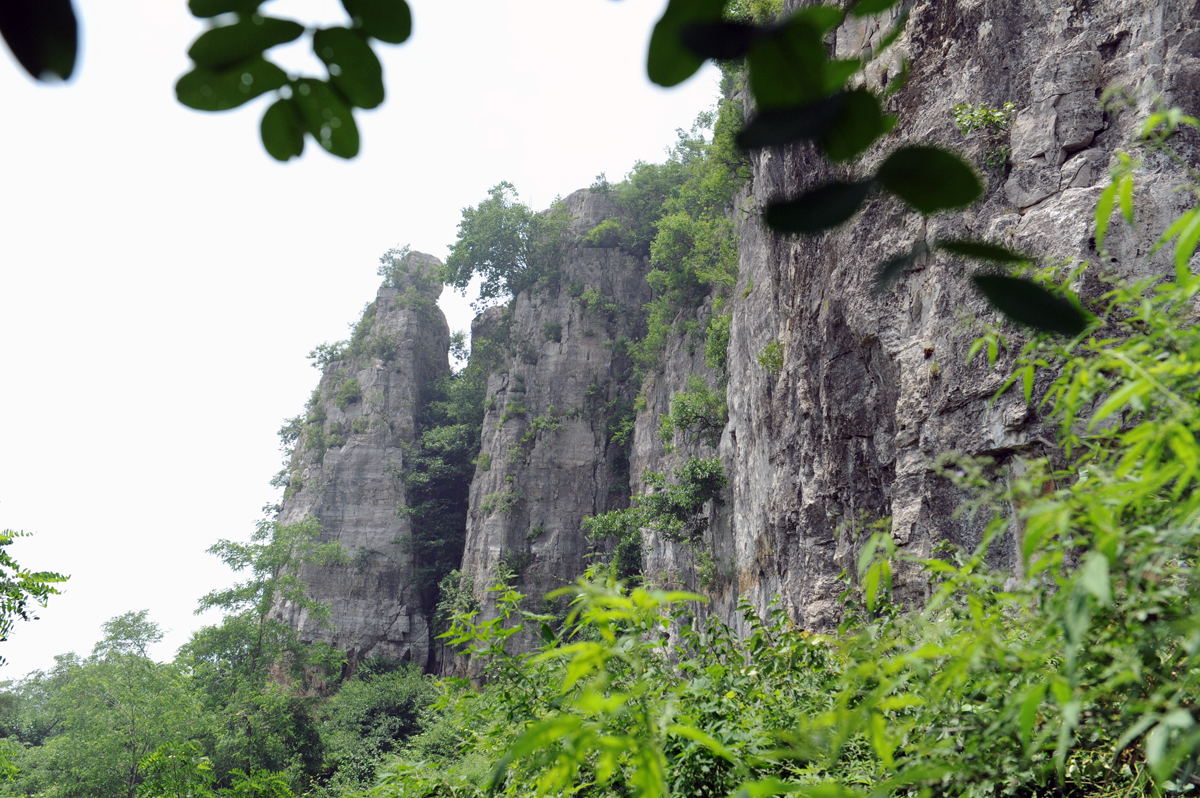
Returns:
(873, 388)
(354, 489)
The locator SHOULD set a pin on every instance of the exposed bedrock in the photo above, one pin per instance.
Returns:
(872, 389)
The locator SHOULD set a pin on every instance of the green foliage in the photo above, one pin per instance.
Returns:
(716, 342)
(685, 207)
(552, 331)
(698, 414)
(970, 118)
(543, 425)
(230, 69)
(456, 592)
(348, 393)
(508, 244)
(439, 470)
(369, 718)
(672, 510)
(20, 588)
(771, 357)
(94, 720)
(504, 502)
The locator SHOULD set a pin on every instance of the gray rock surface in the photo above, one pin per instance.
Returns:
(873, 388)
(354, 488)
(546, 446)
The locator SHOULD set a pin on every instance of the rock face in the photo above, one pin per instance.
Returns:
(872, 387)
(547, 458)
(346, 470)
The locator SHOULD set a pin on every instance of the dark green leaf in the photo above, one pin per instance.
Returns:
(776, 126)
(211, 8)
(283, 131)
(788, 67)
(823, 17)
(354, 68)
(859, 123)
(669, 62)
(387, 20)
(223, 47)
(209, 90)
(839, 71)
(820, 209)
(43, 36)
(721, 40)
(981, 250)
(930, 179)
(326, 117)
(892, 268)
(1030, 304)
(866, 8)
(548, 635)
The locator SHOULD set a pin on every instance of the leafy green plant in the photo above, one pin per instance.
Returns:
(697, 414)
(970, 118)
(552, 331)
(672, 510)
(21, 588)
(504, 502)
(716, 342)
(348, 393)
(230, 68)
(509, 245)
(771, 357)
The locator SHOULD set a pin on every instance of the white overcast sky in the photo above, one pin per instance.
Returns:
(162, 279)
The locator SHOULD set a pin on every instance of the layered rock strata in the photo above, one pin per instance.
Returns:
(873, 388)
(347, 471)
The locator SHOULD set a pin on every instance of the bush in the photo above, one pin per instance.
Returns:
(370, 717)
(697, 413)
(771, 357)
(348, 393)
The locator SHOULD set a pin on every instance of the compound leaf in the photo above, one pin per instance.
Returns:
(930, 179)
(210, 90)
(354, 68)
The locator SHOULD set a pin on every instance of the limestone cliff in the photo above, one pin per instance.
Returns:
(871, 387)
(547, 456)
(347, 469)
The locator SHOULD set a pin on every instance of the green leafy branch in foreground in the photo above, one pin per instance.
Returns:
(230, 69)
(20, 587)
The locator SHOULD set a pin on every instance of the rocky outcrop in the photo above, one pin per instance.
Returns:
(872, 387)
(547, 458)
(347, 470)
